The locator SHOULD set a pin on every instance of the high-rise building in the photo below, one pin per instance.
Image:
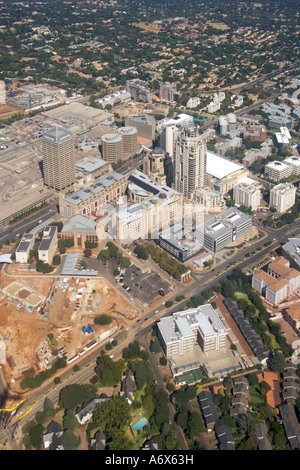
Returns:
(112, 148)
(247, 193)
(58, 157)
(282, 196)
(189, 161)
(168, 92)
(129, 136)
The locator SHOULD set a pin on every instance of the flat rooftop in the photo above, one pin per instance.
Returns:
(220, 167)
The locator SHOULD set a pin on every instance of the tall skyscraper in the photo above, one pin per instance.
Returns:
(189, 161)
(58, 158)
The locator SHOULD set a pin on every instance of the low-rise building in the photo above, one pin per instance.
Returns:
(23, 251)
(181, 332)
(127, 386)
(48, 244)
(81, 229)
(277, 170)
(278, 283)
(222, 230)
(292, 316)
(90, 168)
(209, 201)
(176, 242)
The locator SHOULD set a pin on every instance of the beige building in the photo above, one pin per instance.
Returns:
(112, 148)
(153, 166)
(147, 217)
(278, 283)
(189, 161)
(292, 316)
(48, 244)
(283, 196)
(58, 158)
(223, 174)
(130, 140)
(209, 201)
(105, 190)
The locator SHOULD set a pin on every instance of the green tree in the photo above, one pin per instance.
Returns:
(277, 362)
(69, 420)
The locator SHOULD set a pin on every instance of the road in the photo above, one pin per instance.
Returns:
(11, 231)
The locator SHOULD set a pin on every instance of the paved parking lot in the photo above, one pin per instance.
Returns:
(144, 286)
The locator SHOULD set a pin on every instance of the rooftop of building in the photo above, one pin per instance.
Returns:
(98, 185)
(220, 167)
(57, 134)
(79, 224)
(90, 164)
(181, 324)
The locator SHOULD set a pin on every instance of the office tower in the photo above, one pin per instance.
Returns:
(58, 158)
(112, 147)
(144, 123)
(168, 92)
(189, 161)
(130, 140)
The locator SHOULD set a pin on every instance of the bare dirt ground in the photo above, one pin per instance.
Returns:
(72, 305)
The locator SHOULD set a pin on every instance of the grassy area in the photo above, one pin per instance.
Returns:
(256, 397)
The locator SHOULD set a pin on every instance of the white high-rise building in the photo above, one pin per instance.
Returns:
(246, 193)
(282, 196)
(189, 161)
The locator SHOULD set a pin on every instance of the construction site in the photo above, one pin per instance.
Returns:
(45, 317)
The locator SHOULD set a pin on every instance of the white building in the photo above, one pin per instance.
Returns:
(294, 163)
(113, 99)
(25, 245)
(246, 193)
(193, 102)
(282, 196)
(181, 332)
(277, 170)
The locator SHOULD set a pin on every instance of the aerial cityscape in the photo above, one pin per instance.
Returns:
(149, 227)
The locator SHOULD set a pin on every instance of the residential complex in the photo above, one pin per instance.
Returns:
(279, 282)
(138, 90)
(282, 196)
(277, 170)
(180, 333)
(58, 158)
(247, 193)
